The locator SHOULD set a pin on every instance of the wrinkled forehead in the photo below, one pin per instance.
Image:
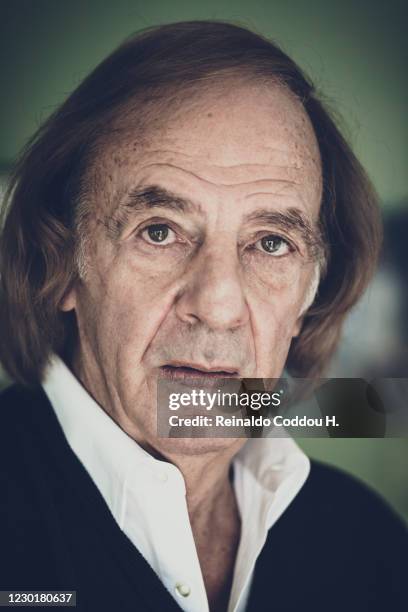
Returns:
(242, 135)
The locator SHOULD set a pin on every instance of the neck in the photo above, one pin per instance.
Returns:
(207, 478)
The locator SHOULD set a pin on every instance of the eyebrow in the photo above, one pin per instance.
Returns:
(145, 198)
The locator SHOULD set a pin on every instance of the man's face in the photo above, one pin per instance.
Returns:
(201, 251)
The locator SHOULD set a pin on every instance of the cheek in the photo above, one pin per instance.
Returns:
(273, 329)
(275, 302)
(279, 287)
(128, 303)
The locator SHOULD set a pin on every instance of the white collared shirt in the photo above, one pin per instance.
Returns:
(146, 496)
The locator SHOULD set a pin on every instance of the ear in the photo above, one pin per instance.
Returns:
(298, 326)
(68, 302)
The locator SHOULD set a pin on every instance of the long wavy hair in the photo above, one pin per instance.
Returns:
(41, 218)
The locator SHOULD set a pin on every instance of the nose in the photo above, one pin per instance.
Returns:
(213, 292)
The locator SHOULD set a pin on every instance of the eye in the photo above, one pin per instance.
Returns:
(273, 245)
(158, 233)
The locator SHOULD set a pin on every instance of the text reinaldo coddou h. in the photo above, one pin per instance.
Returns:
(252, 401)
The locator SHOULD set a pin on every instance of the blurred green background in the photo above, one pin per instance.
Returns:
(354, 50)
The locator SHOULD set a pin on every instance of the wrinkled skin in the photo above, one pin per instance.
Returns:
(209, 294)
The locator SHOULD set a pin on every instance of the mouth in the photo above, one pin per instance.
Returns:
(195, 372)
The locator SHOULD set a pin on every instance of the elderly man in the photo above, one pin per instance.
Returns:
(191, 211)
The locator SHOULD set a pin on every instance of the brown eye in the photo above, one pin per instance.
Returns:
(158, 233)
(273, 245)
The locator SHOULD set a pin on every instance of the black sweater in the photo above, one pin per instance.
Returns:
(338, 547)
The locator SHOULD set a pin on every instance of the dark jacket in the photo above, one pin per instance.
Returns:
(338, 547)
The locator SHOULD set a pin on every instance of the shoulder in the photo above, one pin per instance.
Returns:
(17, 397)
(17, 394)
(16, 400)
(332, 491)
(23, 411)
(343, 548)
(330, 494)
(337, 508)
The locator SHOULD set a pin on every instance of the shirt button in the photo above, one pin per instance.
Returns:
(183, 589)
(162, 477)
